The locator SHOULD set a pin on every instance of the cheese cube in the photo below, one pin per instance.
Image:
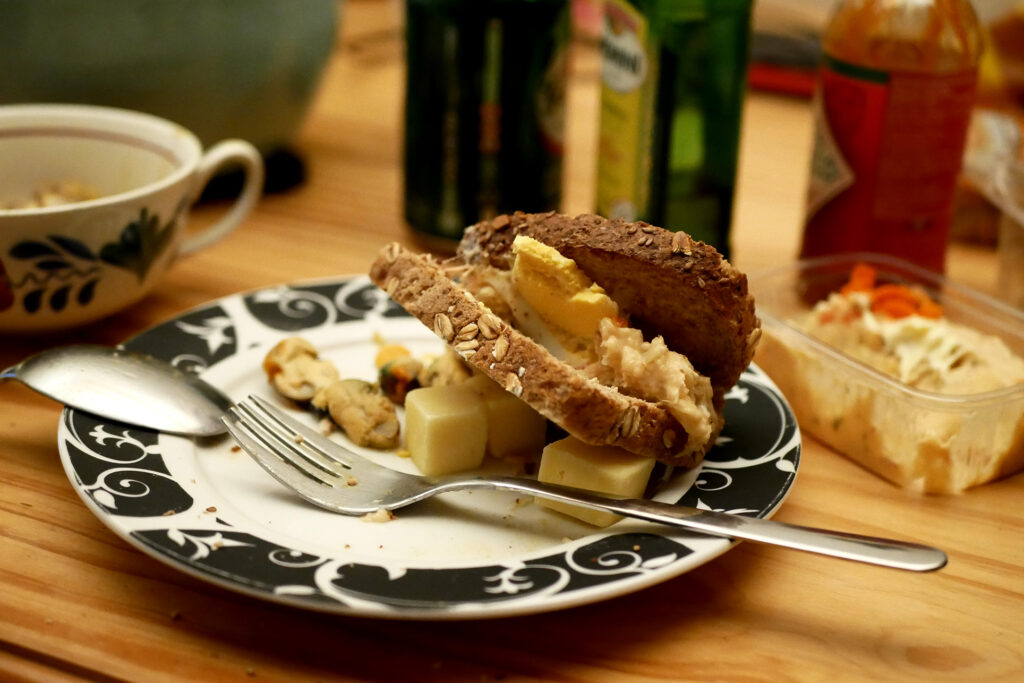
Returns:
(445, 429)
(514, 429)
(604, 469)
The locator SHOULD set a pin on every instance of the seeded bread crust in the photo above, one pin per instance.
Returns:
(669, 284)
(586, 409)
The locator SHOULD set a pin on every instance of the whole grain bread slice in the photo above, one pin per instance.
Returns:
(668, 283)
(592, 412)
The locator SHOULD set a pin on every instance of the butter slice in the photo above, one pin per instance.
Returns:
(513, 428)
(445, 429)
(557, 289)
(603, 469)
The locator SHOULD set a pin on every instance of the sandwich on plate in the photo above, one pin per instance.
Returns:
(623, 334)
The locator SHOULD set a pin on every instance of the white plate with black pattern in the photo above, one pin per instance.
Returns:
(207, 509)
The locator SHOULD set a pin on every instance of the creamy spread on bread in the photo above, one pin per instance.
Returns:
(652, 371)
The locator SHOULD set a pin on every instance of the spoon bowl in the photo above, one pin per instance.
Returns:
(125, 386)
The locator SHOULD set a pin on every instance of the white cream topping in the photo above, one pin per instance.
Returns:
(920, 344)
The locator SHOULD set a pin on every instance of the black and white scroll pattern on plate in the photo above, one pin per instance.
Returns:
(160, 502)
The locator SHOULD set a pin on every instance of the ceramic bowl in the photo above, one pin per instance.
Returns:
(129, 180)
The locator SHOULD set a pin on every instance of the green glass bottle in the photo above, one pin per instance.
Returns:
(673, 82)
(484, 111)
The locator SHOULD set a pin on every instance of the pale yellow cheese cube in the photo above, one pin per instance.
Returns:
(604, 469)
(514, 429)
(445, 429)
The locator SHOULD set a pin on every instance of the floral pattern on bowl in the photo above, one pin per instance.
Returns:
(65, 271)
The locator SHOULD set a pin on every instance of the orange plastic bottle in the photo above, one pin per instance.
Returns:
(897, 84)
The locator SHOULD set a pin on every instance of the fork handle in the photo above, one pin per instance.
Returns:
(870, 549)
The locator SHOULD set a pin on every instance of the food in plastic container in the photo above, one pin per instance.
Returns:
(932, 401)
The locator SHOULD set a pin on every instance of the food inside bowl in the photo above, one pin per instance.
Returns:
(925, 392)
(900, 330)
(51, 194)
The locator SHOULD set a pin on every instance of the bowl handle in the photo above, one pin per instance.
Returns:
(227, 153)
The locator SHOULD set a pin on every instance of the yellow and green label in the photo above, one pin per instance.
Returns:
(627, 72)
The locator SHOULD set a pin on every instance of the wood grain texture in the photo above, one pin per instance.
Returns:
(79, 602)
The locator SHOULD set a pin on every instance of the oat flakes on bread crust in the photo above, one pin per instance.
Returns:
(669, 284)
(586, 409)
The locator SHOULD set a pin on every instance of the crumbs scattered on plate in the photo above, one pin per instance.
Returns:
(378, 515)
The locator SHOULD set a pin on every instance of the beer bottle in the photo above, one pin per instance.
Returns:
(673, 81)
(484, 111)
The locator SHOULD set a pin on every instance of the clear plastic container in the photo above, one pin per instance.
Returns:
(1010, 187)
(921, 440)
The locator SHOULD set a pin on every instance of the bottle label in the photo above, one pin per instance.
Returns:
(626, 110)
(887, 152)
(830, 174)
(623, 55)
(849, 115)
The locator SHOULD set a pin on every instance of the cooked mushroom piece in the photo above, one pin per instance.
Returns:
(362, 411)
(296, 371)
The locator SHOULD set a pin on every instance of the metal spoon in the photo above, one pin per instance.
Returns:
(125, 386)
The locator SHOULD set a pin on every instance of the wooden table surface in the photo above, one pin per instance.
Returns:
(78, 602)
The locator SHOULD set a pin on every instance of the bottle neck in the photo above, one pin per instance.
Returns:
(928, 37)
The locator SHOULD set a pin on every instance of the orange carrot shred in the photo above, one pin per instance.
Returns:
(929, 309)
(862, 279)
(892, 300)
(894, 307)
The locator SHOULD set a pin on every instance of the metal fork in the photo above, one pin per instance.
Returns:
(331, 476)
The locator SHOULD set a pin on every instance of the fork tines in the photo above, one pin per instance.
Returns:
(284, 447)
